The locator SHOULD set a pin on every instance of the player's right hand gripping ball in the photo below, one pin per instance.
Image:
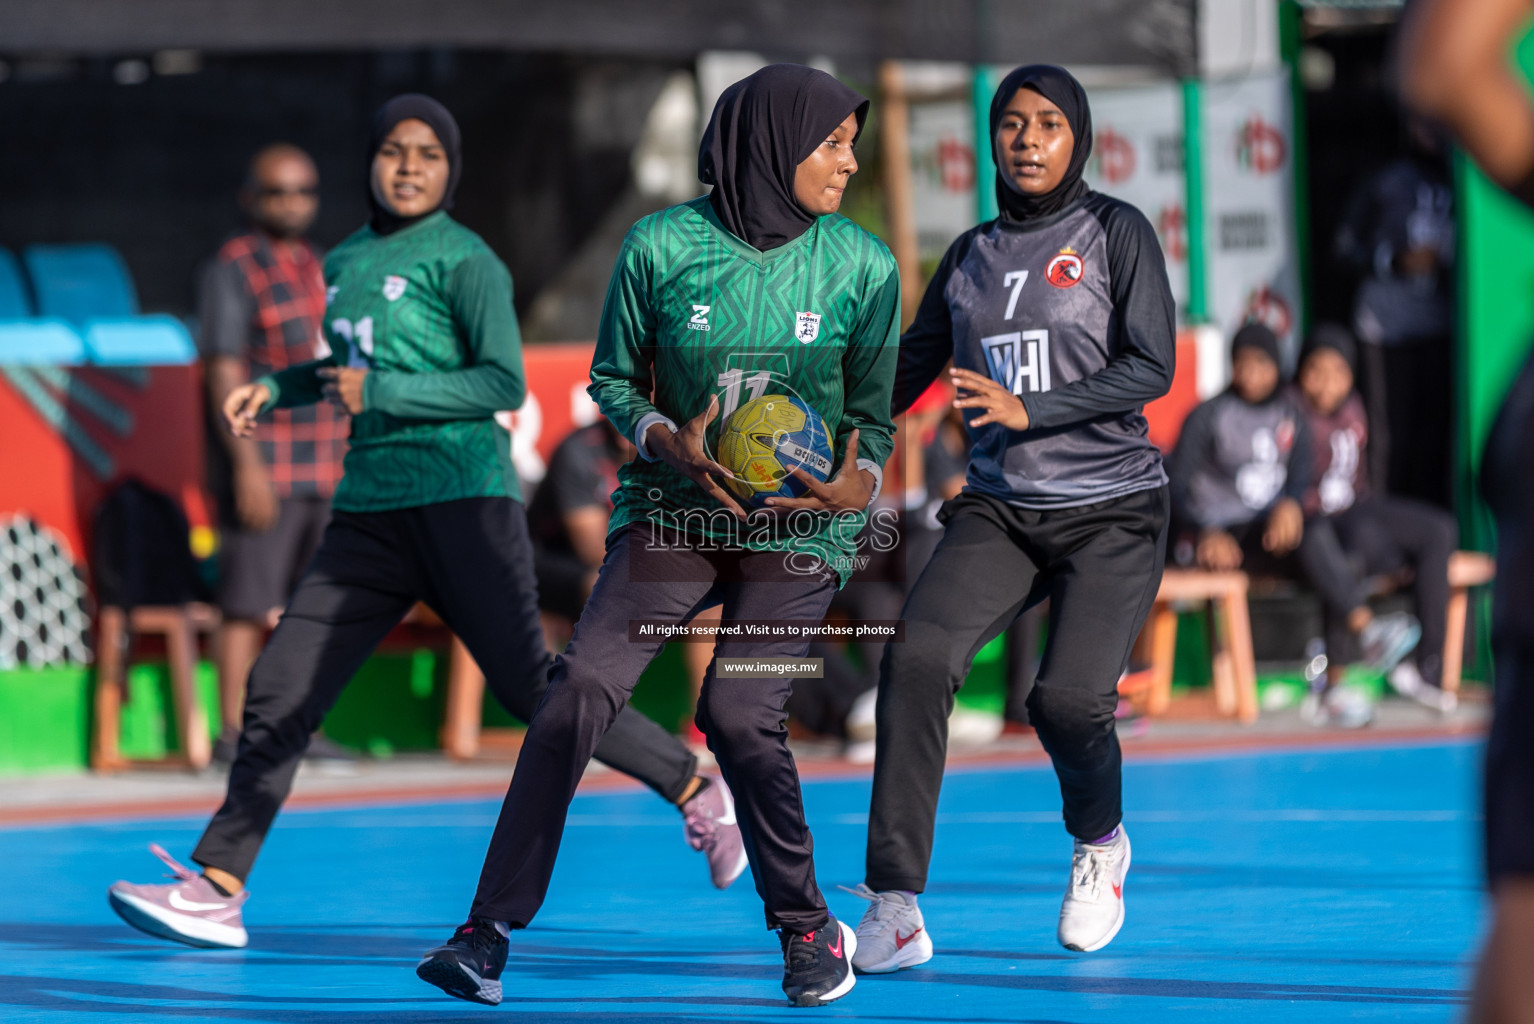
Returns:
(765, 439)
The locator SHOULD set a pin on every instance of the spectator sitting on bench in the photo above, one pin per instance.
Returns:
(1382, 533)
(1239, 474)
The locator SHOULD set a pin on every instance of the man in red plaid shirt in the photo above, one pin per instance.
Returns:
(261, 303)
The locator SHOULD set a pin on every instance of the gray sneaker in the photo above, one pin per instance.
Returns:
(187, 910)
(709, 819)
(1387, 639)
(892, 934)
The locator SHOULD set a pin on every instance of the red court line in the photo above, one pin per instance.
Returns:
(1134, 750)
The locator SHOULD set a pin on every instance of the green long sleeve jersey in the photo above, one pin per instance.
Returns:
(694, 312)
(427, 310)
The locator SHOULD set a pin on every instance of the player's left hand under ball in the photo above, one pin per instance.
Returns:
(684, 452)
(998, 404)
(850, 490)
(343, 388)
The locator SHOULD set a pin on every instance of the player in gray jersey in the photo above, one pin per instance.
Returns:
(1058, 319)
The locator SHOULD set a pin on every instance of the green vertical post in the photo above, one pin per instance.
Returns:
(1290, 42)
(980, 95)
(1193, 174)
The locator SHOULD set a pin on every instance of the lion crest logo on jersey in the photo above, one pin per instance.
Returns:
(394, 287)
(1064, 271)
(806, 327)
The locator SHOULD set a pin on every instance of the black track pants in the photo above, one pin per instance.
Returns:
(471, 561)
(743, 718)
(1388, 533)
(1100, 566)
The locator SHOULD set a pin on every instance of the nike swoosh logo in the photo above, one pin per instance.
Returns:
(836, 950)
(728, 817)
(180, 902)
(1118, 891)
(901, 940)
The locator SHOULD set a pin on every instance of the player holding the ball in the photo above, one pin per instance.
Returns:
(759, 306)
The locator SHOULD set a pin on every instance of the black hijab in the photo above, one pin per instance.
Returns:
(763, 127)
(1258, 335)
(1059, 87)
(1335, 337)
(422, 108)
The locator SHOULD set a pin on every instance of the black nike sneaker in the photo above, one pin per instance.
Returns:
(469, 965)
(817, 967)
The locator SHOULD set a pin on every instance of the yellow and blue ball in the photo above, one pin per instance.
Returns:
(764, 440)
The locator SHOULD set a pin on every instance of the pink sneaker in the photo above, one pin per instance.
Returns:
(187, 910)
(710, 823)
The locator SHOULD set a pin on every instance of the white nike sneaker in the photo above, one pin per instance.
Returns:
(1093, 911)
(891, 935)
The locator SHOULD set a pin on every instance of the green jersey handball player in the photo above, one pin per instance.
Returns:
(424, 351)
(758, 289)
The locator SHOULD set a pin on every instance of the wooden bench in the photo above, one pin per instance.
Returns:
(180, 625)
(1234, 667)
(1466, 569)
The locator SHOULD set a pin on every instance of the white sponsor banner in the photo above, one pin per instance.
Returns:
(943, 174)
(1252, 262)
(1137, 156)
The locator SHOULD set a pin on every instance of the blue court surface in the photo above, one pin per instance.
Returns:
(1317, 885)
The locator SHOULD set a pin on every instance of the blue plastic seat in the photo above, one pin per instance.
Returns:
(153, 340)
(88, 285)
(80, 282)
(40, 341)
(15, 303)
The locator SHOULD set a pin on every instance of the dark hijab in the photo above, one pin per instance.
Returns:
(763, 128)
(403, 108)
(1335, 337)
(1258, 335)
(1059, 87)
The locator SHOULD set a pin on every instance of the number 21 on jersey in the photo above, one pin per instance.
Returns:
(359, 340)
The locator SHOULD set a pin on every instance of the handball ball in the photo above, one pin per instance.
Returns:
(765, 439)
